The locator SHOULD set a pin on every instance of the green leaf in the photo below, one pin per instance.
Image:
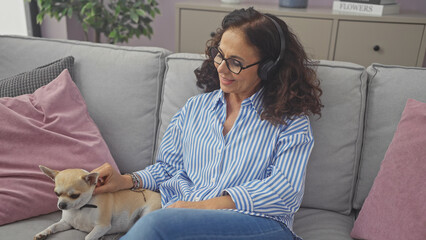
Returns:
(137, 4)
(134, 16)
(39, 18)
(69, 14)
(117, 10)
(141, 12)
(113, 34)
(85, 27)
(83, 9)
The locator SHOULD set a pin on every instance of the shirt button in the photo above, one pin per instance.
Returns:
(197, 199)
(213, 180)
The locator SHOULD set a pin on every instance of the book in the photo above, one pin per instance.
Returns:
(364, 8)
(380, 2)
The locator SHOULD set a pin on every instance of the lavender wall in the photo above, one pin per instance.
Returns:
(164, 24)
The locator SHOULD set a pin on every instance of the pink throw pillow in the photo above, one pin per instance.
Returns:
(396, 205)
(50, 127)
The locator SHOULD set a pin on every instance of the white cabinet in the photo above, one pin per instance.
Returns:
(387, 43)
(314, 34)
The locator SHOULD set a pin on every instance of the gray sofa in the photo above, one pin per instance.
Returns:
(132, 93)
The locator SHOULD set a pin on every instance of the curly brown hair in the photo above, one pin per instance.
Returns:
(290, 90)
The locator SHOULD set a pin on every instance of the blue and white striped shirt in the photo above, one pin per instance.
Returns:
(261, 166)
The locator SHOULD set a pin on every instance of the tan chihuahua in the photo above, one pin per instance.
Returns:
(98, 215)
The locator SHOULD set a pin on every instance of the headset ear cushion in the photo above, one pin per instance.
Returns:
(264, 70)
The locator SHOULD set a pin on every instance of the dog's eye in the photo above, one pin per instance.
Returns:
(75, 196)
(57, 194)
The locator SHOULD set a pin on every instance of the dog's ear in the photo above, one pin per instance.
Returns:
(49, 172)
(91, 178)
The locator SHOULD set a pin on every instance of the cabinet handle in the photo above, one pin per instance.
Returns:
(212, 34)
(376, 48)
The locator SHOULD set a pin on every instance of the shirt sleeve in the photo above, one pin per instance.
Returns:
(169, 158)
(282, 190)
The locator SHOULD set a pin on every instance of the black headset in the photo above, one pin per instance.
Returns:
(265, 68)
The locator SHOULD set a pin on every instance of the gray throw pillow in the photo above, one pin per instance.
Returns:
(28, 82)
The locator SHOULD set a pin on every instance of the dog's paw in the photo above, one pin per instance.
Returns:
(40, 236)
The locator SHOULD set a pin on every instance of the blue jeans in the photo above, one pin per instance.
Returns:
(197, 224)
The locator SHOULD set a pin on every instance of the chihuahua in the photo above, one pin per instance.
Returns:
(100, 214)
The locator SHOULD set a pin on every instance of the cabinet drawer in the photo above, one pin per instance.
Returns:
(387, 43)
(314, 34)
(196, 27)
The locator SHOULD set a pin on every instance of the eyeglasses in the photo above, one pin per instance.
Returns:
(233, 65)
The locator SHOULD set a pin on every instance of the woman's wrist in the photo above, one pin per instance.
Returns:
(223, 202)
(128, 181)
(135, 181)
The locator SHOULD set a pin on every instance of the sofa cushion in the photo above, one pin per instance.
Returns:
(28, 228)
(120, 84)
(28, 82)
(331, 173)
(334, 159)
(50, 127)
(389, 88)
(395, 207)
(316, 224)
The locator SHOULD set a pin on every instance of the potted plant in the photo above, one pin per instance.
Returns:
(117, 20)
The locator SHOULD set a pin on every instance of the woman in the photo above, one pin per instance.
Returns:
(241, 147)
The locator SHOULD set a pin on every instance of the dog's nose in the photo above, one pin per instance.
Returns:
(62, 205)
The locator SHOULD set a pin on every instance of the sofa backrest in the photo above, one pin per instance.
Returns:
(121, 86)
(389, 88)
(178, 86)
(333, 164)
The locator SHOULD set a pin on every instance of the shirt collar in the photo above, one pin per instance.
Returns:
(255, 101)
(219, 99)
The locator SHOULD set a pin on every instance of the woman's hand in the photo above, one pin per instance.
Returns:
(110, 180)
(224, 202)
